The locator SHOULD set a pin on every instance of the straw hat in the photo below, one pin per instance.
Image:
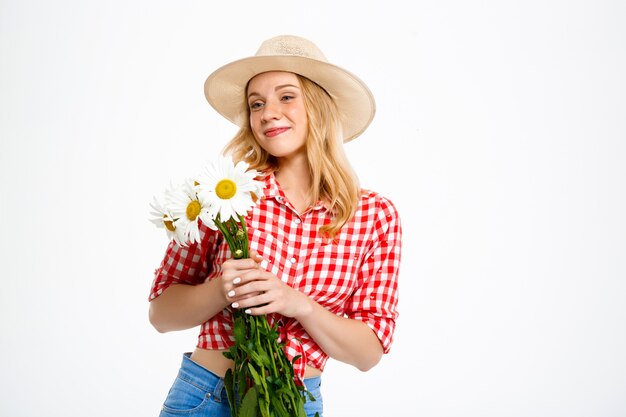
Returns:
(225, 88)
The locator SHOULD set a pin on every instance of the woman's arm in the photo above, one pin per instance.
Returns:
(344, 339)
(183, 306)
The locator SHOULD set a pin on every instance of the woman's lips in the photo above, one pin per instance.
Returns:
(275, 131)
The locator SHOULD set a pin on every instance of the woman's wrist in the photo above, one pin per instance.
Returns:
(216, 286)
(306, 307)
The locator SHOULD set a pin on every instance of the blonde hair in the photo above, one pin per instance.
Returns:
(333, 179)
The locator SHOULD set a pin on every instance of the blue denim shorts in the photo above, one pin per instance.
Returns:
(199, 392)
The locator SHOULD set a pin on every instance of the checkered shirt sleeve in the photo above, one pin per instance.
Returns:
(375, 300)
(186, 265)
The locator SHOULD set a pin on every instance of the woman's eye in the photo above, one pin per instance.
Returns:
(287, 97)
(255, 105)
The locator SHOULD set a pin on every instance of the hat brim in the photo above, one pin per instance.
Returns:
(225, 88)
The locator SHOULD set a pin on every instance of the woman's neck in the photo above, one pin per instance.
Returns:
(295, 181)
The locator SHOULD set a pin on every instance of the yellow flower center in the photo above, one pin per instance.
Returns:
(193, 209)
(226, 189)
(169, 225)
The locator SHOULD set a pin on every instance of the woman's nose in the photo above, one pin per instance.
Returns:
(270, 111)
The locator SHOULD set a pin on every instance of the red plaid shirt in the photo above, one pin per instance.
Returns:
(355, 275)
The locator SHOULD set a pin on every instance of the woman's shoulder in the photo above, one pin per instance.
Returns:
(373, 200)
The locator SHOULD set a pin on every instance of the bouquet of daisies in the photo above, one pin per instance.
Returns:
(261, 382)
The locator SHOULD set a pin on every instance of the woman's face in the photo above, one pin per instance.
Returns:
(277, 113)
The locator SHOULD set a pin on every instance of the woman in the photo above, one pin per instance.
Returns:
(325, 254)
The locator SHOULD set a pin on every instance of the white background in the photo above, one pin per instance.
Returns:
(500, 135)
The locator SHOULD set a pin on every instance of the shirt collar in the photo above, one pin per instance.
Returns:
(272, 190)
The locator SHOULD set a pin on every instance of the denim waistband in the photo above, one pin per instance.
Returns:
(206, 380)
(202, 378)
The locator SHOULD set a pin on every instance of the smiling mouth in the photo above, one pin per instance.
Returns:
(275, 131)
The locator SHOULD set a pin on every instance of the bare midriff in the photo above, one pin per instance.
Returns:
(214, 361)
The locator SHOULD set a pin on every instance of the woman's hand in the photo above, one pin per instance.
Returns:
(248, 286)
(233, 269)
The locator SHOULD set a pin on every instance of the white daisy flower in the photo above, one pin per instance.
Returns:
(230, 189)
(162, 218)
(186, 207)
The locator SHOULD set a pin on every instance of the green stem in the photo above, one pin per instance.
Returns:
(271, 347)
(280, 367)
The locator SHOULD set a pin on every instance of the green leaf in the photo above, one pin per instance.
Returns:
(272, 335)
(230, 392)
(301, 412)
(242, 380)
(231, 353)
(265, 359)
(310, 395)
(284, 392)
(239, 329)
(249, 404)
(280, 409)
(277, 383)
(256, 358)
(260, 357)
(264, 408)
(253, 328)
(255, 374)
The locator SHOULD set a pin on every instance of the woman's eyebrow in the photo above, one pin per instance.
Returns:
(278, 87)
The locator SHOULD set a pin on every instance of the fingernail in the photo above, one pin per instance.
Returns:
(235, 305)
(231, 293)
(247, 311)
(237, 280)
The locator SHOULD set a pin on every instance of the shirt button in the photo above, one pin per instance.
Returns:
(297, 221)
(292, 260)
